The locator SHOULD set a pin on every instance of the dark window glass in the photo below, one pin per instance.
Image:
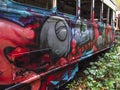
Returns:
(97, 13)
(111, 17)
(67, 6)
(47, 4)
(86, 9)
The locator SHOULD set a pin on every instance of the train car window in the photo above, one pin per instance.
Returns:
(111, 17)
(47, 4)
(67, 6)
(98, 4)
(86, 12)
(105, 9)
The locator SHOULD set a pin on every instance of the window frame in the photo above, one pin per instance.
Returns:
(33, 5)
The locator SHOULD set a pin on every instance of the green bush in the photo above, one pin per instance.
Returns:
(102, 75)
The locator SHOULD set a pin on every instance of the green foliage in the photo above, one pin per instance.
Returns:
(102, 75)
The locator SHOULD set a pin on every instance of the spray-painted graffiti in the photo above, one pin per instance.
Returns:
(41, 45)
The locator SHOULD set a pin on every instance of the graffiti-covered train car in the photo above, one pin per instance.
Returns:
(42, 41)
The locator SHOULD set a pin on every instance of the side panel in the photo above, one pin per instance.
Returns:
(34, 43)
(40, 47)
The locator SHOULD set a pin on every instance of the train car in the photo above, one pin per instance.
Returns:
(42, 41)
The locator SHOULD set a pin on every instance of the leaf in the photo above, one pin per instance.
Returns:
(86, 72)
